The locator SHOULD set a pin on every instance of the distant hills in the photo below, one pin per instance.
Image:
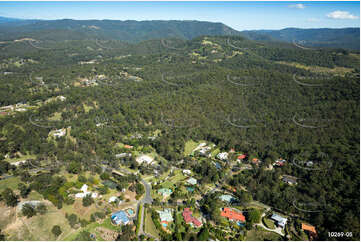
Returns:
(348, 38)
(135, 31)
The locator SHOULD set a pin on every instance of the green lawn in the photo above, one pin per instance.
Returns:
(149, 225)
(268, 223)
(189, 146)
(11, 183)
(259, 234)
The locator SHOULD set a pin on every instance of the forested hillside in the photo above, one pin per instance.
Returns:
(267, 100)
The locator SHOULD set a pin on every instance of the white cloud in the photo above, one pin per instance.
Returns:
(298, 5)
(341, 15)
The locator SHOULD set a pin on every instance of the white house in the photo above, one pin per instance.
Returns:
(84, 188)
(222, 156)
(61, 98)
(187, 172)
(112, 199)
(59, 133)
(192, 181)
(85, 192)
(122, 155)
(144, 159)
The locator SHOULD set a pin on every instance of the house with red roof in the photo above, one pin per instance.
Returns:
(241, 157)
(256, 161)
(280, 162)
(310, 229)
(189, 219)
(233, 215)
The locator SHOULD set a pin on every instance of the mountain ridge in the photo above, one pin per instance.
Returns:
(135, 31)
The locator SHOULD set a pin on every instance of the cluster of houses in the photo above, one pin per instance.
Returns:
(19, 107)
(88, 83)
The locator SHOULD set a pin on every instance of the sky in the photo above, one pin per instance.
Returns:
(237, 15)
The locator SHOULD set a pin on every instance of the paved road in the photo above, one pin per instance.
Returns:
(147, 199)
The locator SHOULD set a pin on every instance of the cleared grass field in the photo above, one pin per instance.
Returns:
(268, 223)
(259, 234)
(12, 183)
(189, 146)
(38, 227)
(149, 225)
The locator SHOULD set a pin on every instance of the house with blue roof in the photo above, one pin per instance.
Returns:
(281, 221)
(120, 218)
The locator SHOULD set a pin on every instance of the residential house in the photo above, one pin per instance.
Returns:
(204, 150)
(85, 192)
(165, 192)
(122, 155)
(166, 215)
(120, 218)
(233, 215)
(227, 198)
(61, 98)
(189, 219)
(187, 172)
(310, 229)
(241, 157)
(223, 156)
(256, 161)
(281, 221)
(280, 162)
(144, 159)
(112, 199)
(58, 133)
(192, 181)
(291, 180)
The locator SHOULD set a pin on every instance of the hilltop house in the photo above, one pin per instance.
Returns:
(85, 192)
(223, 156)
(144, 159)
(187, 172)
(165, 191)
(289, 179)
(227, 198)
(241, 157)
(122, 155)
(233, 215)
(279, 162)
(310, 229)
(281, 221)
(58, 133)
(189, 219)
(192, 181)
(256, 161)
(165, 216)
